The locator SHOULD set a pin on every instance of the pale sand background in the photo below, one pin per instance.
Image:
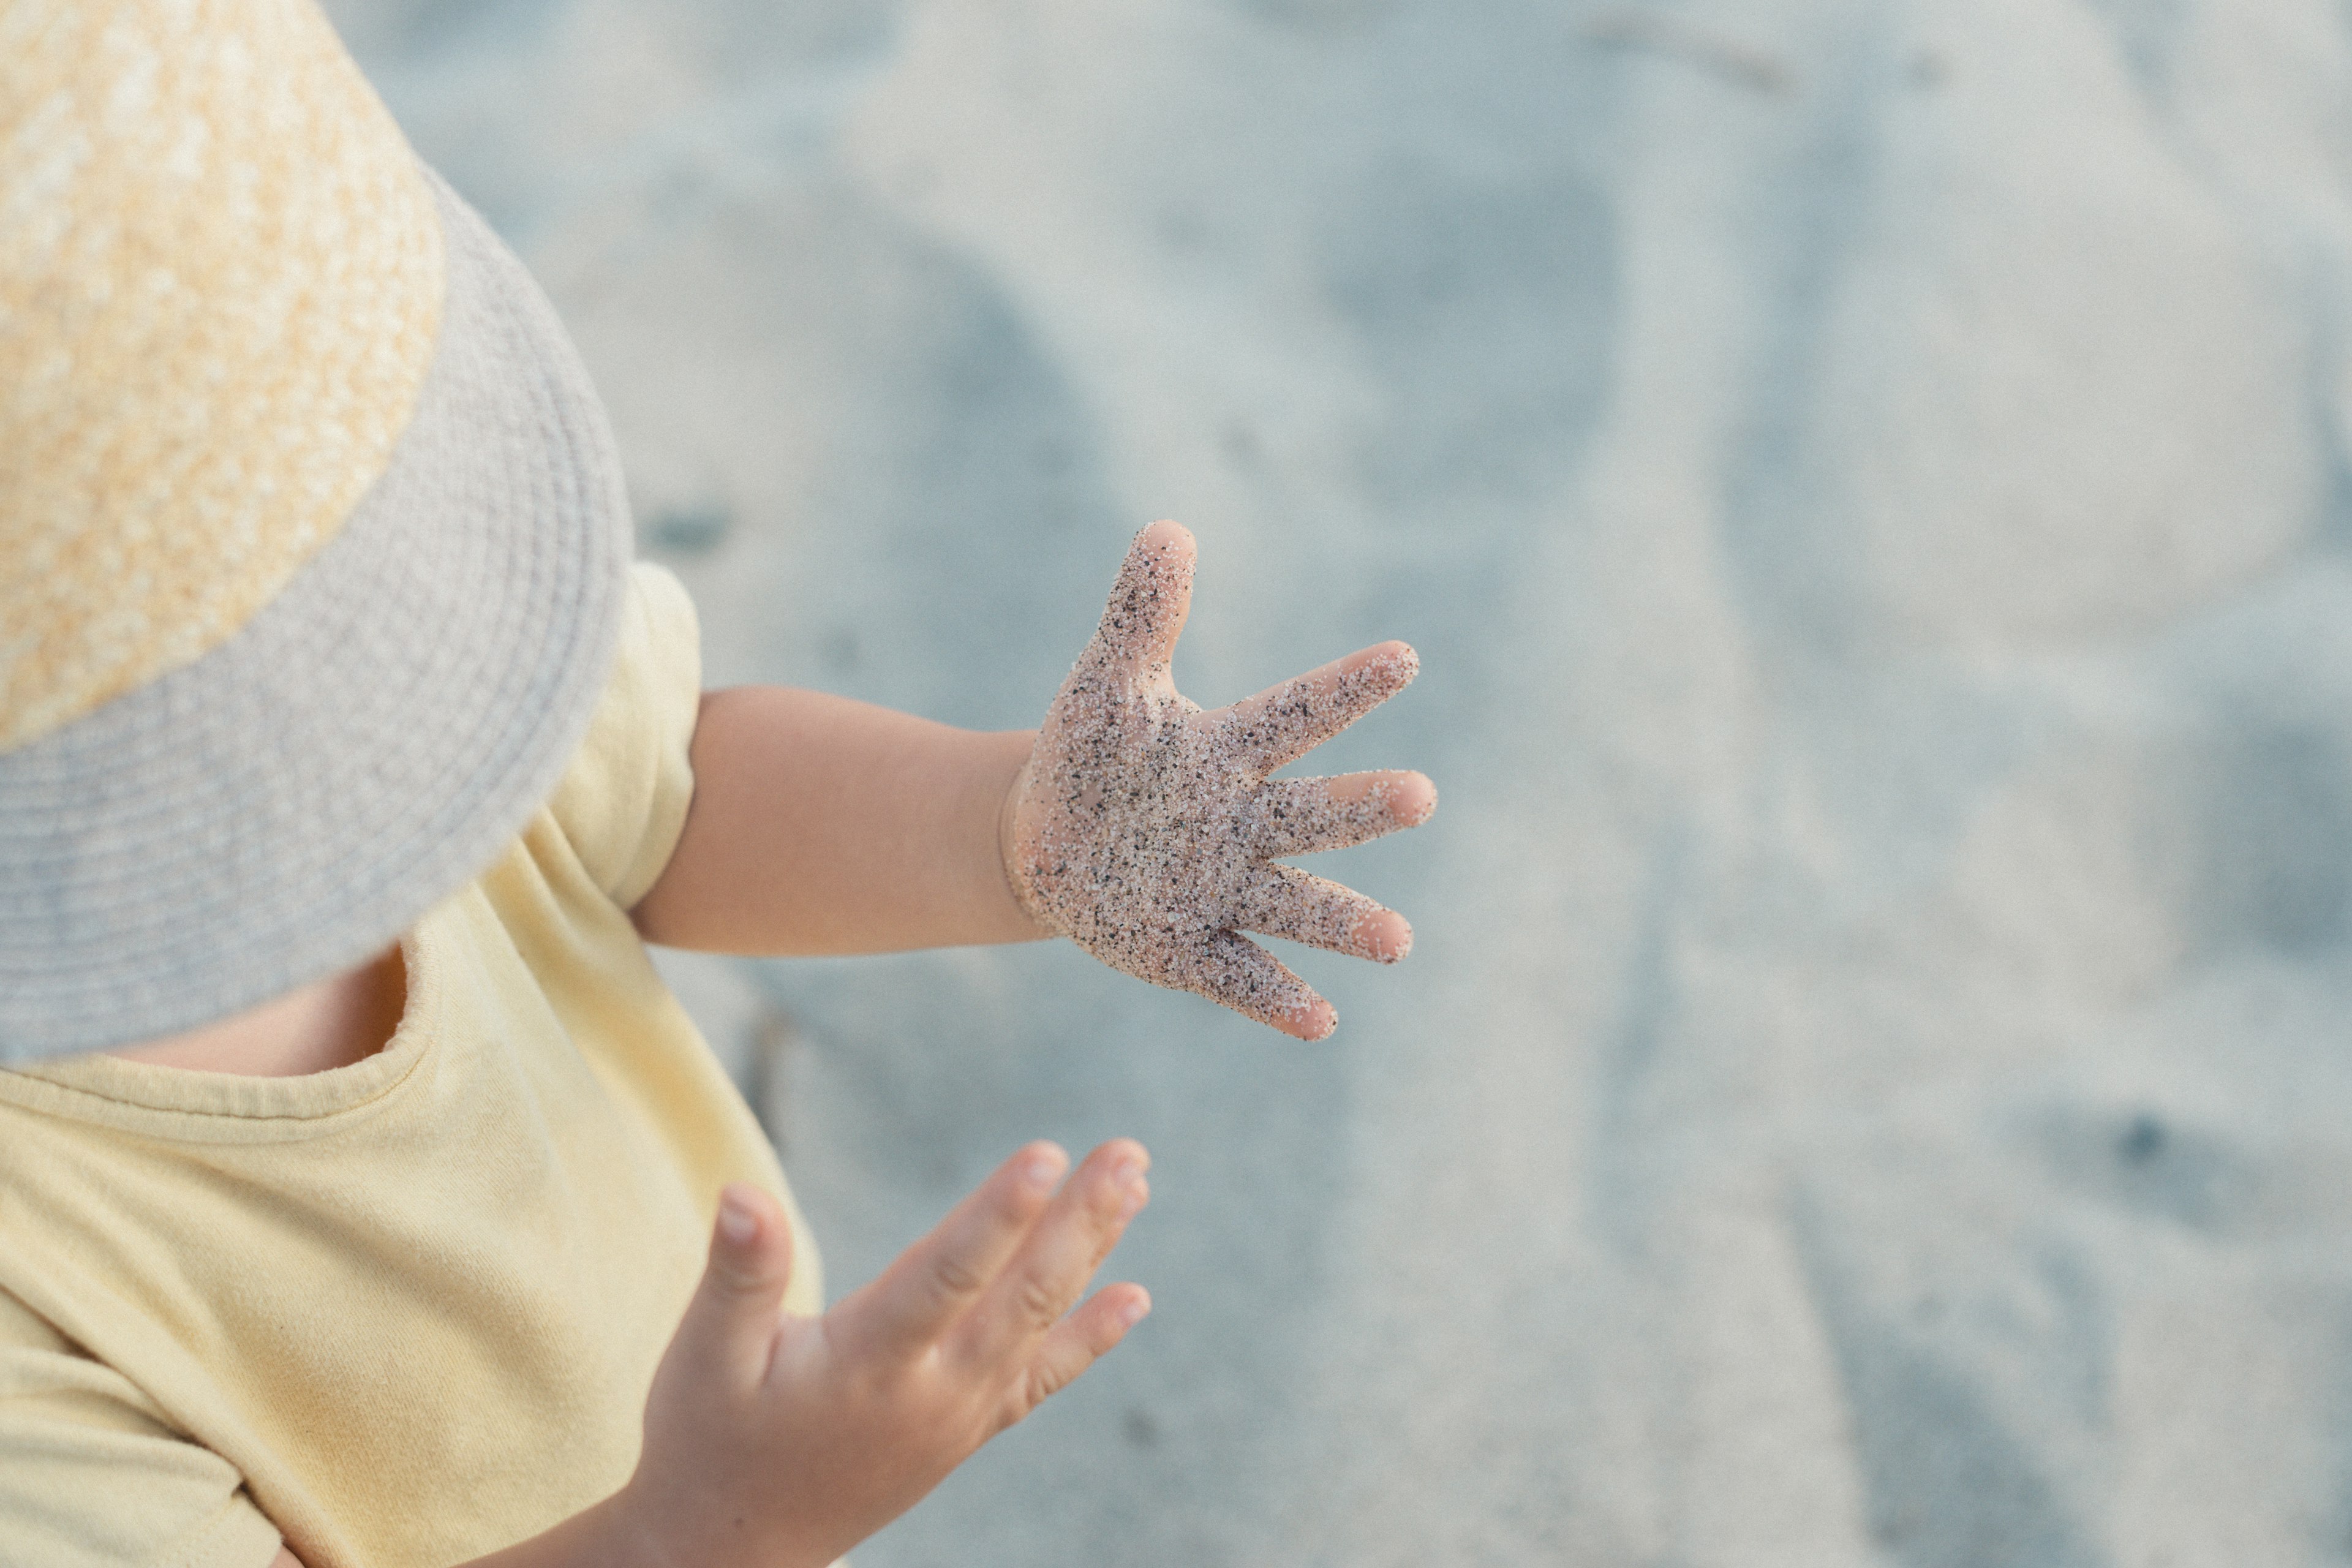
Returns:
(1872, 485)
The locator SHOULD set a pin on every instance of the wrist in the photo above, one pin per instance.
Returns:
(633, 1529)
(615, 1533)
(1007, 839)
(628, 1536)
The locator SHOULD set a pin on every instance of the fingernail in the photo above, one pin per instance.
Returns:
(1135, 1311)
(1369, 937)
(1128, 1169)
(737, 1223)
(1130, 1205)
(1043, 1169)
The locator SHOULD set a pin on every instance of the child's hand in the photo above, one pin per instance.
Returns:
(783, 1441)
(1146, 830)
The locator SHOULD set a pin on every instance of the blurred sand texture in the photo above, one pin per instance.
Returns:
(1871, 484)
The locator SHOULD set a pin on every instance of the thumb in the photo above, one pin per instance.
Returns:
(731, 1325)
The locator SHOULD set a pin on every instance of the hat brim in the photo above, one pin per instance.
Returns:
(288, 804)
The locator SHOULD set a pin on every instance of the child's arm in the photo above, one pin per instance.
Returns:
(780, 1442)
(1134, 823)
(824, 825)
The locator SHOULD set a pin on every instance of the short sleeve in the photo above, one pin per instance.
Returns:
(91, 1477)
(622, 802)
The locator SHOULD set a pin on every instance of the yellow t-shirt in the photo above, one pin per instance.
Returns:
(407, 1312)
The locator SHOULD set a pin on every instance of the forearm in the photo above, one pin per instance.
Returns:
(824, 825)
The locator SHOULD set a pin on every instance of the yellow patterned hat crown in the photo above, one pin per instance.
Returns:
(218, 297)
(310, 527)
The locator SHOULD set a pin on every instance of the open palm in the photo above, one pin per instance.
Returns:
(1145, 829)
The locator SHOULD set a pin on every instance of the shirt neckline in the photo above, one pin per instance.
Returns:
(191, 1104)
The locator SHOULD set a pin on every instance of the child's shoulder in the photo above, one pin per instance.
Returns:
(623, 799)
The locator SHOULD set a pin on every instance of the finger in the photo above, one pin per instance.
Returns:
(1297, 906)
(729, 1327)
(1137, 638)
(1285, 722)
(1235, 971)
(1301, 817)
(913, 1303)
(1061, 1253)
(1076, 1343)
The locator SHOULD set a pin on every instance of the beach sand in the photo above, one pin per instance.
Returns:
(1869, 486)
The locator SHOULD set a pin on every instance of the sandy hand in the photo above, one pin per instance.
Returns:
(1146, 831)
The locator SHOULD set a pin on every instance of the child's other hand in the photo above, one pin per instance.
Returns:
(1146, 831)
(783, 1441)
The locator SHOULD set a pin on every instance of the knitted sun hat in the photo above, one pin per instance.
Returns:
(312, 530)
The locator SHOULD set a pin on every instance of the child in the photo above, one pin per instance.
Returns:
(356, 1166)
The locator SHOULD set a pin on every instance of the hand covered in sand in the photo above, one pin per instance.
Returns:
(1146, 831)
